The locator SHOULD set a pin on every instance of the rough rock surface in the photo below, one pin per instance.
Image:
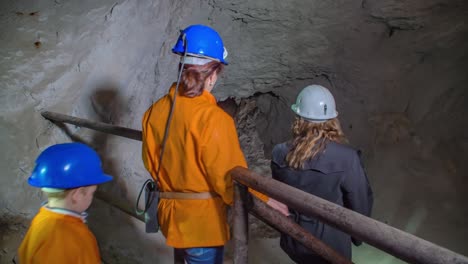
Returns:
(396, 68)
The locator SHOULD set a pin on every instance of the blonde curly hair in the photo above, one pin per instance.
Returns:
(309, 139)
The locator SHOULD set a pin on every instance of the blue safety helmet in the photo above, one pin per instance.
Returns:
(67, 166)
(202, 41)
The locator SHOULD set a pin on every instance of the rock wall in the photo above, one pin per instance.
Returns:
(396, 68)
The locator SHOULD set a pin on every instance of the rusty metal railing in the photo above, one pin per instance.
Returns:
(244, 202)
(382, 236)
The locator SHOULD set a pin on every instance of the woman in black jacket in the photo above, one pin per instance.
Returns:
(318, 161)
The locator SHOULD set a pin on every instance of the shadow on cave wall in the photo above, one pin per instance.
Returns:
(106, 106)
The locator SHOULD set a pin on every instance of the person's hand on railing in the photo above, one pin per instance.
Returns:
(278, 206)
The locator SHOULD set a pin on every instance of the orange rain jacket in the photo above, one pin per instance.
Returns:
(202, 146)
(55, 238)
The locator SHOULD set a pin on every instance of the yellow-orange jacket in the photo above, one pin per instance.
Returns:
(202, 146)
(55, 238)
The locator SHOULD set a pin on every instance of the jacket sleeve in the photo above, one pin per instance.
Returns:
(357, 192)
(279, 168)
(148, 144)
(277, 163)
(221, 152)
(276, 171)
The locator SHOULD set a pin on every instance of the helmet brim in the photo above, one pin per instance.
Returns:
(295, 109)
(102, 178)
(223, 61)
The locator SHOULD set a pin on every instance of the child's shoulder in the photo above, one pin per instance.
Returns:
(53, 223)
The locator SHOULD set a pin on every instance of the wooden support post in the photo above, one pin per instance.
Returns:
(99, 126)
(394, 241)
(240, 224)
(287, 226)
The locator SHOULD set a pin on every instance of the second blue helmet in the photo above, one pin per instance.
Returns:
(201, 41)
(67, 166)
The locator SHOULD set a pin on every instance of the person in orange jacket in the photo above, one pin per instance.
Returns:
(68, 174)
(198, 150)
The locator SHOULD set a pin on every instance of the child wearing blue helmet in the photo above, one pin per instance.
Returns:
(68, 174)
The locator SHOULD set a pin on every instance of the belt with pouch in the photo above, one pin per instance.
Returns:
(153, 196)
(187, 196)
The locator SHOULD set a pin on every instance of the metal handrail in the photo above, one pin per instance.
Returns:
(278, 221)
(384, 237)
(99, 126)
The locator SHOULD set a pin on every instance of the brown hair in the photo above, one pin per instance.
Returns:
(194, 76)
(310, 138)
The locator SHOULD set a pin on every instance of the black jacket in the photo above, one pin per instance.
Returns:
(336, 175)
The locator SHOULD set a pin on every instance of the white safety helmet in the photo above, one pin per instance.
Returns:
(315, 103)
